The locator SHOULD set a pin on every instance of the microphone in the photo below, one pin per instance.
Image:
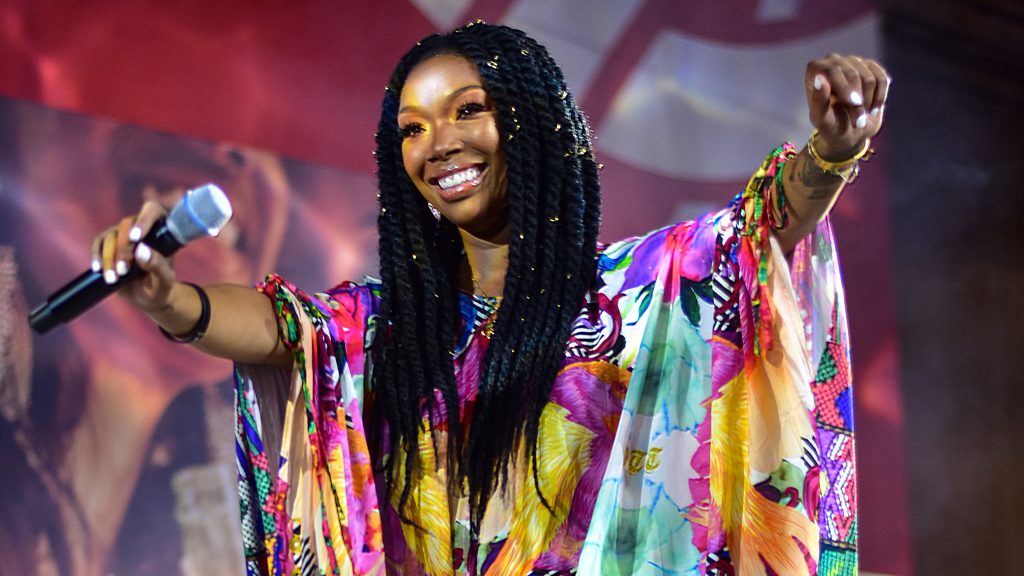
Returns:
(202, 212)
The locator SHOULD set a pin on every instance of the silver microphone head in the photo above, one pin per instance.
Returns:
(202, 212)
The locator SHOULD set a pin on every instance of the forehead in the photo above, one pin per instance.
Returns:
(436, 78)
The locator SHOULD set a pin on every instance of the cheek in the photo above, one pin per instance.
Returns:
(413, 161)
(490, 138)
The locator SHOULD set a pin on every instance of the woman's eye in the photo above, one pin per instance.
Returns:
(470, 109)
(410, 130)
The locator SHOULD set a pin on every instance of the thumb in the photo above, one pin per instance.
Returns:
(157, 266)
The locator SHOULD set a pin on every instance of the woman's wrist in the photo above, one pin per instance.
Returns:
(199, 329)
(183, 311)
(843, 164)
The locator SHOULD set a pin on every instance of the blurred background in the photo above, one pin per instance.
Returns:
(115, 447)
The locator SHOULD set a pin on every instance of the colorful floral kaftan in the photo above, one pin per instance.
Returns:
(701, 423)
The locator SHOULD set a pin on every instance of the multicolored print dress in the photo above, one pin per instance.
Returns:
(701, 423)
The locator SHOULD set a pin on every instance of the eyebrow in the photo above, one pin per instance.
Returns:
(451, 96)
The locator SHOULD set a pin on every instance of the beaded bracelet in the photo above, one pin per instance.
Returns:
(846, 169)
(199, 330)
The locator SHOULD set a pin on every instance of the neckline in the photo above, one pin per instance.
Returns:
(480, 297)
(479, 313)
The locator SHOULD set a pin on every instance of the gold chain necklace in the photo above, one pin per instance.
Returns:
(476, 285)
(488, 327)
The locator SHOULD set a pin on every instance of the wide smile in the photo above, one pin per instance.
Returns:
(454, 184)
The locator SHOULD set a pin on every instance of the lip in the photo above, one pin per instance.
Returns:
(462, 189)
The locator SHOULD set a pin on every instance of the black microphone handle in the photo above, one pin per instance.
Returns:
(86, 290)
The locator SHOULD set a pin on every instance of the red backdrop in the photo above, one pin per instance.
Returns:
(296, 88)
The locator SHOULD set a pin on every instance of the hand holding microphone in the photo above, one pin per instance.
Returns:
(138, 246)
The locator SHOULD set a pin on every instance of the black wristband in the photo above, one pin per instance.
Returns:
(199, 330)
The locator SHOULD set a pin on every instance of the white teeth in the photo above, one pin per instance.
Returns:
(453, 180)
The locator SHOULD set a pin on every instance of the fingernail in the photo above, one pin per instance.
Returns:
(122, 268)
(856, 99)
(819, 81)
(875, 111)
(110, 276)
(143, 253)
(862, 120)
(96, 265)
(135, 234)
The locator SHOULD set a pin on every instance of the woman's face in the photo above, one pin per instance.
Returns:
(451, 146)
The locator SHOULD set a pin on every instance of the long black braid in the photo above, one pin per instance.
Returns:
(554, 217)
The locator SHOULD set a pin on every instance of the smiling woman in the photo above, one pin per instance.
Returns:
(513, 398)
(488, 98)
(451, 147)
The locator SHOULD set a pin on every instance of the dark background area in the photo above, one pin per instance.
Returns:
(955, 160)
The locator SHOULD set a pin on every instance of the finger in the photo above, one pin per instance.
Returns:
(853, 98)
(881, 86)
(837, 118)
(107, 252)
(133, 230)
(151, 291)
(867, 80)
(96, 251)
(124, 247)
(151, 211)
(154, 263)
(818, 91)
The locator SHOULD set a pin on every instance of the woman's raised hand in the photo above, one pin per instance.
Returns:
(846, 98)
(115, 249)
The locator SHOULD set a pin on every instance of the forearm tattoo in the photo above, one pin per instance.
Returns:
(820, 184)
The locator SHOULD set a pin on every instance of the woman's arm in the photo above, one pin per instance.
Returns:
(242, 324)
(846, 101)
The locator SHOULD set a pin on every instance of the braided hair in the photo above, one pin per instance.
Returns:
(554, 215)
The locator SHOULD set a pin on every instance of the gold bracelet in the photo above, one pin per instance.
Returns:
(845, 169)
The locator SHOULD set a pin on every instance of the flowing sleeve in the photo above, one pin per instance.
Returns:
(781, 445)
(308, 501)
(734, 450)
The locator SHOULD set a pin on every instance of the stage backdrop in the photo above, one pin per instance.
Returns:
(116, 445)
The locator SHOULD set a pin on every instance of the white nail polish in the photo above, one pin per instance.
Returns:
(143, 253)
(856, 99)
(875, 111)
(110, 277)
(135, 234)
(819, 81)
(121, 267)
(862, 120)
(96, 265)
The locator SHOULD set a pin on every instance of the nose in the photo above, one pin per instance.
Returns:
(446, 142)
